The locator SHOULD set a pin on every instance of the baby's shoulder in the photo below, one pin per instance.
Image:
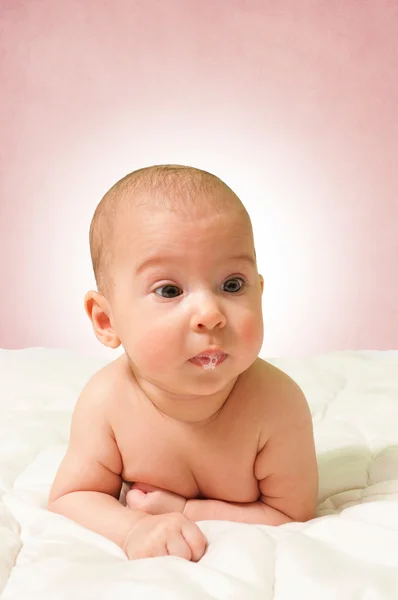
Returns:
(102, 387)
(266, 377)
(274, 391)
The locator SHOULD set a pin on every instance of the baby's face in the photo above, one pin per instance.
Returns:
(187, 299)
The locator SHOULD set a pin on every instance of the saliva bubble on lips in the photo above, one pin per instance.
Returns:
(213, 360)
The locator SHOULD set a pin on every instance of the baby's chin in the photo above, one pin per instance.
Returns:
(190, 387)
(206, 384)
(192, 380)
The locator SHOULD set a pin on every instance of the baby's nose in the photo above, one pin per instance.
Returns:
(208, 315)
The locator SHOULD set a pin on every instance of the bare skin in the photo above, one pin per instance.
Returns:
(150, 443)
(230, 443)
(234, 457)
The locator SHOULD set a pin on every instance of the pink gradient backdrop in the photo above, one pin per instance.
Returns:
(294, 104)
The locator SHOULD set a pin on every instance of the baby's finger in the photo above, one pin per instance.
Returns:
(149, 548)
(195, 540)
(177, 546)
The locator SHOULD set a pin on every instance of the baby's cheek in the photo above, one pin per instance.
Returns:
(251, 331)
(155, 347)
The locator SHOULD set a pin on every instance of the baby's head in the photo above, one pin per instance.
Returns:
(174, 261)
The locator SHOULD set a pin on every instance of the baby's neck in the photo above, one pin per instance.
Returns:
(192, 410)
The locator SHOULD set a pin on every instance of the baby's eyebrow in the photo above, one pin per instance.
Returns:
(155, 261)
(243, 257)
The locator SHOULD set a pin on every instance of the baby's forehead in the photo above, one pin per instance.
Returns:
(151, 219)
(168, 235)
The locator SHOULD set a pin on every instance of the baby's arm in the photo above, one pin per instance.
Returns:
(286, 469)
(88, 483)
(87, 486)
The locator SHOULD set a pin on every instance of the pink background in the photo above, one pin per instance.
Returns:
(293, 103)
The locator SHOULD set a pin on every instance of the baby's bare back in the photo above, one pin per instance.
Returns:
(215, 460)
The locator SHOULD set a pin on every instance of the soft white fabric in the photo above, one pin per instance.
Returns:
(349, 551)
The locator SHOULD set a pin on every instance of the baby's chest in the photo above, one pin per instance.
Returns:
(194, 466)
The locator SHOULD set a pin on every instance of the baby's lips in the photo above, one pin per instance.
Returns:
(209, 360)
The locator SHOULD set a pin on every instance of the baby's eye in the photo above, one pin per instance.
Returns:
(168, 291)
(233, 285)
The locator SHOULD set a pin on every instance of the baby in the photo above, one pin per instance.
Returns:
(189, 416)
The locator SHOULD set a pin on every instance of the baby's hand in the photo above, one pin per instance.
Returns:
(161, 535)
(153, 500)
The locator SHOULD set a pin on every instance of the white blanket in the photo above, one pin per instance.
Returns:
(350, 551)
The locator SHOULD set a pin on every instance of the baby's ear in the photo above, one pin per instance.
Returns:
(262, 283)
(99, 312)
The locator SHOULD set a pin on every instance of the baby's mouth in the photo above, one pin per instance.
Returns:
(209, 360)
